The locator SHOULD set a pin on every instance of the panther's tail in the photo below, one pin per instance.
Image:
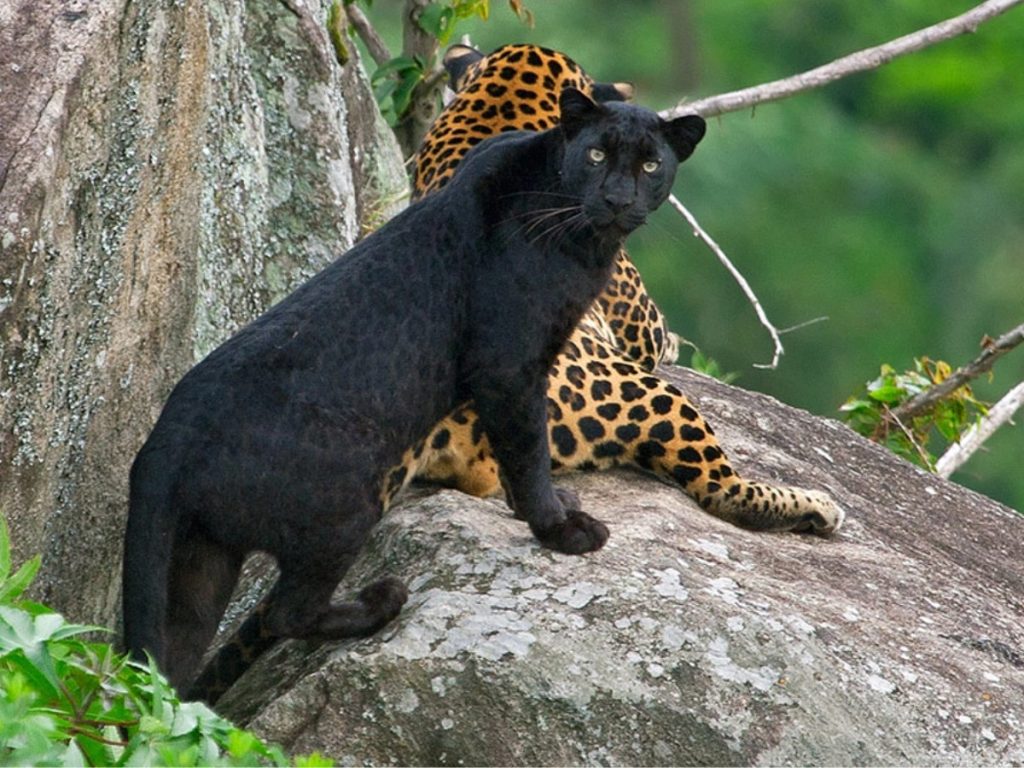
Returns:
(148, 548)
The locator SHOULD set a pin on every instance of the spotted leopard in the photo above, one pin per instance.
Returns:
(606, 406)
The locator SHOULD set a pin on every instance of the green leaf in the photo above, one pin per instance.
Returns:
(466, 8)
(95, 751)
(397, 64)
(887, 393)
(150, 724)
(315, 760)
(36, 677)
(437, 20)
(403, 93)
(15, 629)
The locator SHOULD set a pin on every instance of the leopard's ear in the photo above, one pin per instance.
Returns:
(577, 110)
(613, 91)
(684, 134)
(457, 60)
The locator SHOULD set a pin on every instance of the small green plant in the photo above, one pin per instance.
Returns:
(394, 82)
(874, 412)
(65, 700)
(711, 367)
(701, 363)
(393, 85)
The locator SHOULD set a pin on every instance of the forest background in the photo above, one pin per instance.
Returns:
(891, 202)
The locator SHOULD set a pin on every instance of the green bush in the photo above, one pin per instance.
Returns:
(65, 700)
(871, 412)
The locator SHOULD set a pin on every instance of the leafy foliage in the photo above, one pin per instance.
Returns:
(393, 85)
(701, 363)
(65, 700)
(871, 412)
(395, 82)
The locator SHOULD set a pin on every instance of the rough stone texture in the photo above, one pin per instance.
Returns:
(167, 170)
(685, 640)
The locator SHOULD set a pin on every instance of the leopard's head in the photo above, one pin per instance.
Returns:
(620, 160)
(514, 88)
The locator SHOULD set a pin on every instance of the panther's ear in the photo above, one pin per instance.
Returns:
(457, 60)
(684, 134)
(613, 91)
(577, 110)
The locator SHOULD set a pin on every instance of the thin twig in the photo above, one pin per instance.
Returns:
(993, 350)
(375, 44)
(999, 414)
(869, 58)
(804, 324)
(890, 416)
(699, 232)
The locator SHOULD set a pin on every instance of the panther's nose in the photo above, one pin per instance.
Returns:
(617, 202)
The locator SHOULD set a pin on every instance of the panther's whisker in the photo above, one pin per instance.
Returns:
(534, 211)
(558, 227)
(541, 217)
(535, 192)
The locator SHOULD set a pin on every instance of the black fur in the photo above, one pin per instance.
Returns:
(281, 439)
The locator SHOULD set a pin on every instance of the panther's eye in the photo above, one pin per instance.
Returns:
(651, 166)
(596, 155)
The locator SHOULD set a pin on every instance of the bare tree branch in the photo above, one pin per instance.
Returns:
(698, 231)
(999, 414)
(993, 350)
(374, 42)
(869, 58)
(312, 30)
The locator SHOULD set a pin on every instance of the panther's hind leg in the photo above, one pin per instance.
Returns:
(300, 606)
(297, 610)
(202, 577)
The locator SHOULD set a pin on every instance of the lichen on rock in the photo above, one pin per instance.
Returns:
(685, 640)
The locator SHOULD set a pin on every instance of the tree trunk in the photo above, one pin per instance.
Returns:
(167, 171)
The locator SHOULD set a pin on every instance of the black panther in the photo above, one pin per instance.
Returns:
(292, 436)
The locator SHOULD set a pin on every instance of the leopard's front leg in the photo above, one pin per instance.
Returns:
(611, 412)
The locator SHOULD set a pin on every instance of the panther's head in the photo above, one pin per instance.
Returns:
(620, 159)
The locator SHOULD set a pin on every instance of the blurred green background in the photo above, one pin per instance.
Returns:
(891, 202)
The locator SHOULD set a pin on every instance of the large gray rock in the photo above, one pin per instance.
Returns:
(167, 170)
(685, 640)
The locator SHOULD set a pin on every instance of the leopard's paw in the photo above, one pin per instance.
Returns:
(823, 516)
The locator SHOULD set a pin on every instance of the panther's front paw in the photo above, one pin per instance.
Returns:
(827, 517)
(579, 533)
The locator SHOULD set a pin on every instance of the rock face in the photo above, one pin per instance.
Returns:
(167, 170)
(685, 640)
